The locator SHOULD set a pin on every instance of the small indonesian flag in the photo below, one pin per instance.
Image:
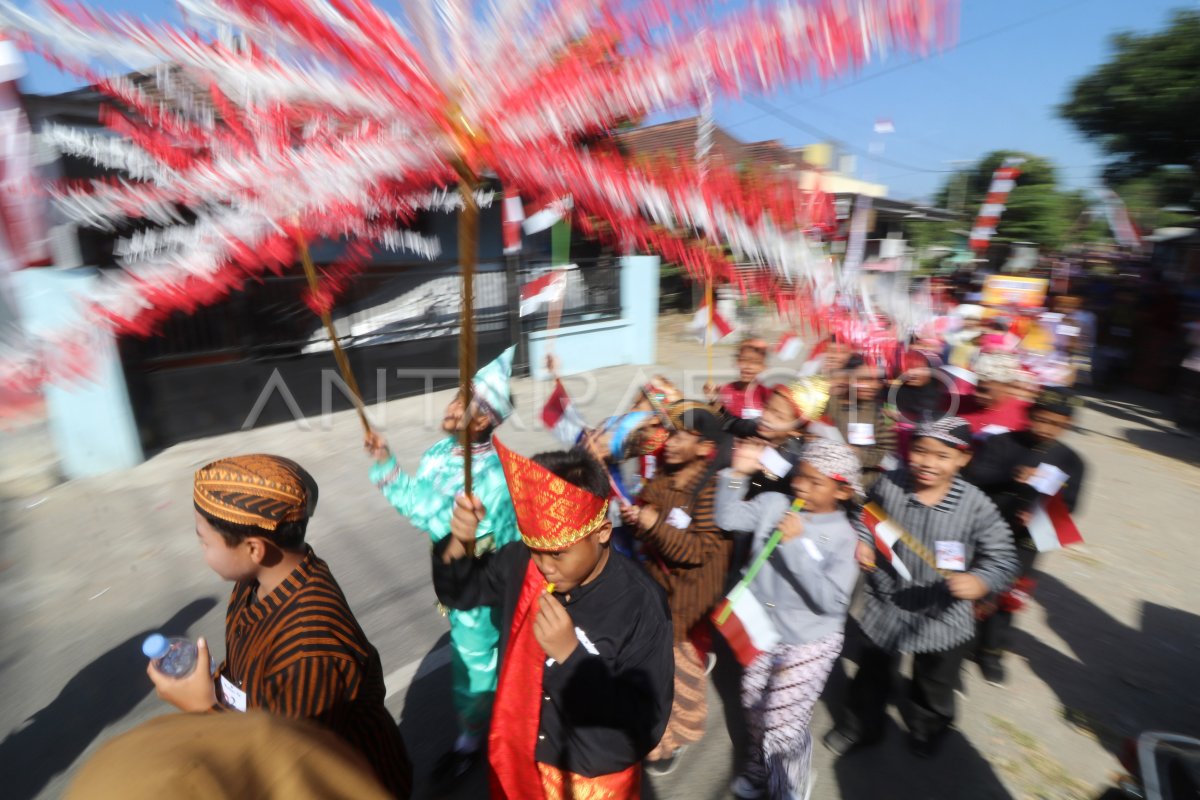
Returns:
(514, 215)
(747, 629)
(884, 126)
(560, 417)
(886, 533)
(1051, 526)
(549, 215)
(788, 346)
(709, 334)
(963, 380)
(543, 290)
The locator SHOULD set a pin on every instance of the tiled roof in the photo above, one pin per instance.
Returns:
(678, 139)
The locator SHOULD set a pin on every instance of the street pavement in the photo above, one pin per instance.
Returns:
(89, 567)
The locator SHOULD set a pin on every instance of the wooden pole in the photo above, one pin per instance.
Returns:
(339, 355)
(468, 252)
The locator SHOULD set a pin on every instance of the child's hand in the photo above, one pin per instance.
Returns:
(630, 514)
(865, 555)
(377, 446)
(647, 517)
(966, 586)
(792, 526)
(711, 391)
(468, 512)
(1023, 474)
(552, 365)
(196, 692)
(554, 629)
(746, 454)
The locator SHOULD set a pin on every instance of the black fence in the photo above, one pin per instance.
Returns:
(262, 355)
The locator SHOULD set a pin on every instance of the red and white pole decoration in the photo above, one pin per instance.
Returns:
(514, 215)
(1003, 181)
(1118, 219)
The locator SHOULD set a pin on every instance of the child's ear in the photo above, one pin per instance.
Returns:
(256, 548)
(844, 492)
(604, 533)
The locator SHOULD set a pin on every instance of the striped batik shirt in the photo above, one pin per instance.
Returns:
(299, 652)
(921, 616)
(690, 562)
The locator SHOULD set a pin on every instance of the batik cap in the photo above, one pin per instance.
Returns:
(492, 392)
(834, 460)
(257, 490)
(954, 431)
(552, 514)
(808, 396)
(696, 417)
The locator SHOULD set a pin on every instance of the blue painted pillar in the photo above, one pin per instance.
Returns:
(90, 419)
(639, 307)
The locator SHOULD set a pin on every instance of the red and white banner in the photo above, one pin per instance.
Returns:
(706, 333)
(1003, 181)
(22, 212)
(1118, 219)
(560, 417)
(514, 215)
(788, 346)
(886, 534)
(549, 215)
(544, 290)
(1051, 526)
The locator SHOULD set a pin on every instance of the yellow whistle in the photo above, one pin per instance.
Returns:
(549, 588)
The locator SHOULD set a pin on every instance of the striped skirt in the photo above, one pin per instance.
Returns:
(779, 691)
(689, 709)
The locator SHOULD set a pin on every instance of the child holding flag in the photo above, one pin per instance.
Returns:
(804, 586)
(953, 548)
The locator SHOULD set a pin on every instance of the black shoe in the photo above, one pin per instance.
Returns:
(992, 670)
(839, 742)
(452, 767)
(921, 747)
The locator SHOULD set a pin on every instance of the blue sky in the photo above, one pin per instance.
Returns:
(995, 89)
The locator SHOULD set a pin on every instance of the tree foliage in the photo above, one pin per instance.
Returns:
(1142, 106)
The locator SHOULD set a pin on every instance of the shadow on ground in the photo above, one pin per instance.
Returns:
(100, 694)
(1121, 681)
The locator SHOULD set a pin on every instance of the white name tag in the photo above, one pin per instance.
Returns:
(860, 433)
(1067, 330)
(233, 696)
(1048, 479)
(951, 555)
(773, 463)
(751, 413)
(650, 465)
(812, 549)
(992, 430)
(678, 518)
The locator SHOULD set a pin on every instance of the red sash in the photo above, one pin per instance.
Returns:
(517, 712)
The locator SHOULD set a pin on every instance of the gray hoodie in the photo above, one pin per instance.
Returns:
(804, 588)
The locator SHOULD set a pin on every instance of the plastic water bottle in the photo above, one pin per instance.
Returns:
(173, 656)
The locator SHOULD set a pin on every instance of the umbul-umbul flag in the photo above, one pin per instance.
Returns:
(705, 333)
(549, 215)
(543, 290)
(886, 534)
(514, 215)
(1051, 526)
(788, 346)
(560, 417)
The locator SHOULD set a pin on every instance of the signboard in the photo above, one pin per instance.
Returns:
(1002, 290)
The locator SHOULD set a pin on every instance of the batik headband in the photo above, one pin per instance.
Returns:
(954, 431)
(834, 460)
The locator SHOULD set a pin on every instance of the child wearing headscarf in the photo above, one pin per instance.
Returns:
(804, 587)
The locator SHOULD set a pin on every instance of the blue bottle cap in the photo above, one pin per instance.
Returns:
(155, 646)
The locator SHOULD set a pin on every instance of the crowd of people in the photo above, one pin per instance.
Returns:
(586, 588)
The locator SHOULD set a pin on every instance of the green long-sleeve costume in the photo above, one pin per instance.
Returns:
(427, 499)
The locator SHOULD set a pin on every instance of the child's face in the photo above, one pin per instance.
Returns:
(569, 568)
(452, 418)
(750, 364)
(934, 463)
(231, 563)
(820, 493)
(778, 420)
(1046, 426)
(684, 447)
(867, 383)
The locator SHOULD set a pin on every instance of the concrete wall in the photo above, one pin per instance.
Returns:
(632, 339)
(90, 419)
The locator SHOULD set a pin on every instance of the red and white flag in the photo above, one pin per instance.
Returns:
(709, 333)
(514, 215)
(543, 290)
(1003, 181)
(23, 215)
(788, 346)
(747, 629)
(560, 417)
(1051, 527)
(963, 380)
(886, 534)
(549, 215)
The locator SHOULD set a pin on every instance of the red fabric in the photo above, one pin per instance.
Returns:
(558, 784)
(516, 715)
(1011, 413)
(736, 397)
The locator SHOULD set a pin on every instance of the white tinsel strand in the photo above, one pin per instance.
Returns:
(106, 151)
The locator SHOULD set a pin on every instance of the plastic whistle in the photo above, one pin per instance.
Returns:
(549, 588)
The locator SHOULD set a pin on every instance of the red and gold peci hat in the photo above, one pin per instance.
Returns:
(552, 514)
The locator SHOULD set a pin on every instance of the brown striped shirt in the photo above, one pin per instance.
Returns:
(299, 652)
(692, 563)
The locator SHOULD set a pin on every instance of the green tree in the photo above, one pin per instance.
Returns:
(1142, 106)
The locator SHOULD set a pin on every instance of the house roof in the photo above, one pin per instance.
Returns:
(678, 139)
